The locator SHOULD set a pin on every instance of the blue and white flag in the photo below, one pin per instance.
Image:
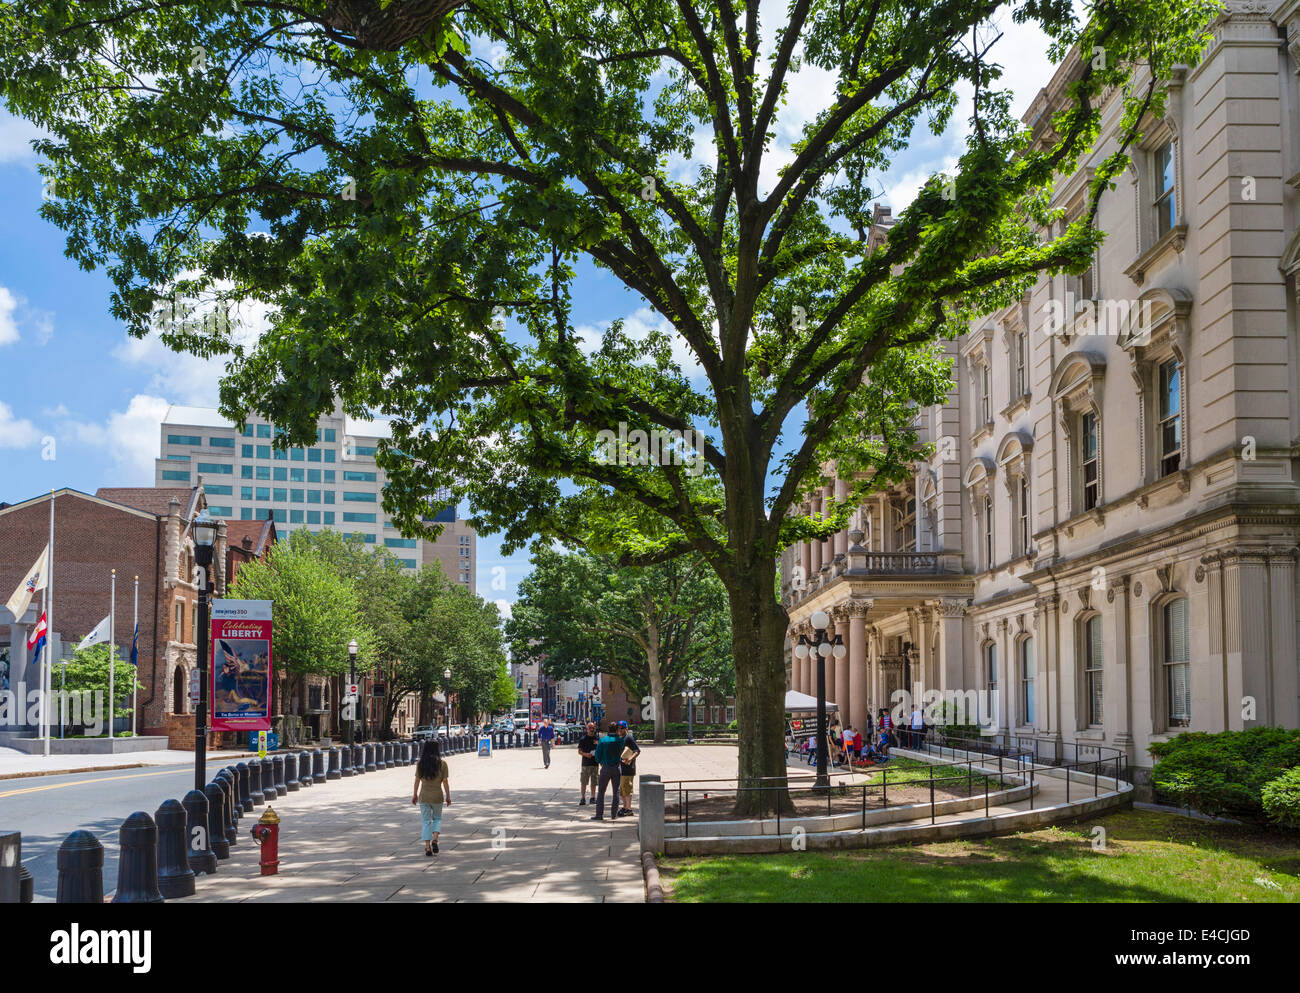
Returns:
(100, 634)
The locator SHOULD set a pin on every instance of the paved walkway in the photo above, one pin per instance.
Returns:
(514, 832)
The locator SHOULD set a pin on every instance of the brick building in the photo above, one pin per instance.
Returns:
(140, 532)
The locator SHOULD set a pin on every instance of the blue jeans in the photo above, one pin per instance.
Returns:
(431, 820)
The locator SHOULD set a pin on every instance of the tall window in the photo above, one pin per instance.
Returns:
(991, 669)
(1024, 516)
(905, 525)
(985, 403)
(1177, 665)
(1088, 464)
(988, 532)
(1163, 201)
(1092, 669)
(1027, 681)
(1171, 439)
(1022, 365)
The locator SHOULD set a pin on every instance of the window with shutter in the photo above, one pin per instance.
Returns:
(1093, 671)
(1027, 680)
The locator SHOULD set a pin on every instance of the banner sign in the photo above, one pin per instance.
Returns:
(241, 665)
(800, 729)
(535, 706)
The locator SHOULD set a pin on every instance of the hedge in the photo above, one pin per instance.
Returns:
(1225, 774)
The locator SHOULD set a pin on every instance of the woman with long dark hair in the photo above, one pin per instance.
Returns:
(431, 792)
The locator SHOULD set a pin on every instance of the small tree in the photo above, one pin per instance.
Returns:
(88, 672)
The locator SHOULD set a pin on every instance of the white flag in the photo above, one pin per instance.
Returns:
(96, 636)
(33, 581)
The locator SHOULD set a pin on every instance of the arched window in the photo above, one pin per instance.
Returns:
(1027, 681)
(1092, 663)
(1177, 664)
(178, 690)
(991, 668)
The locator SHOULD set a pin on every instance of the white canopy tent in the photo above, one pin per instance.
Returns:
(796, 701)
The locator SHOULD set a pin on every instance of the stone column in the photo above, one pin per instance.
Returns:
(952, 671)
(1006, 678)
(858, 675)
(1217, 670)
(842, 536)
(1251, 573)
(873, 668)
(828, 545)
(842, 665)
(815, 547)
(219, 560)
(1285, 703)
(1119, 676)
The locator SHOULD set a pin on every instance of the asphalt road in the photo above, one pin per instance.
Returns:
(46, 809)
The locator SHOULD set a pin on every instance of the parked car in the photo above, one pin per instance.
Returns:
(423, 732)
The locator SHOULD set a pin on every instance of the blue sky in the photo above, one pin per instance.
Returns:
(68, 371)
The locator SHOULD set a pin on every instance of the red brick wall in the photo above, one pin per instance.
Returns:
(89, 540)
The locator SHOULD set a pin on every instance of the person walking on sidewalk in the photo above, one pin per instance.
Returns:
(432, 790)
(608, 750)
(589, 768)
(626, 770)
(546, 735)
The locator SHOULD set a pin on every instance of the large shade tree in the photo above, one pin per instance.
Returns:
(421, 219)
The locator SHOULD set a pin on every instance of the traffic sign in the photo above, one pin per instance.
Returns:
(261, 744)
(352, 690)
(194, 687)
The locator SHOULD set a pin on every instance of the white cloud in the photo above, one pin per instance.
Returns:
(8, 325)
(16, 135)
(16, 433)
(132, 437)
(638, 326)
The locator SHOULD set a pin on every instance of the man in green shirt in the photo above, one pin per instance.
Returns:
(608, 750)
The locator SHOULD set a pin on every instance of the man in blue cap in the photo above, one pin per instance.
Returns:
(627, 770)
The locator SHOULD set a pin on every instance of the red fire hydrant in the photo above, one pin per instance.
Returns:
(266, 832)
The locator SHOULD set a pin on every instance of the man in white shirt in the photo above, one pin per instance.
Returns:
(918, 726)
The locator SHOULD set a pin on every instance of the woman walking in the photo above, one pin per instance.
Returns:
(431, 791)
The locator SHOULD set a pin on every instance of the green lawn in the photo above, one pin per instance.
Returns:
(1148, 858)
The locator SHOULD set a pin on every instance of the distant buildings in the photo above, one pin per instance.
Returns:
(333, 484)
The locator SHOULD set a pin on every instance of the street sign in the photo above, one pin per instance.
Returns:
(261, 744)
(352, 690)
(194, 687)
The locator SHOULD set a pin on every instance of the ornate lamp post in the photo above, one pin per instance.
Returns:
(204, 531)
(689, 696)
(352, 681)
(446, 706)
(824, 647)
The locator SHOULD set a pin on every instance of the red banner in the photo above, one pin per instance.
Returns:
(240, 667)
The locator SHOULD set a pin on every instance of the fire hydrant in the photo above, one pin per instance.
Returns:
(266, 832)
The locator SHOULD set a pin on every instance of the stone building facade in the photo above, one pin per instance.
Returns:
(1104, 541)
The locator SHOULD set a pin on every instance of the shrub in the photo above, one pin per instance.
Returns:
(1224, 773)
(1281, 799)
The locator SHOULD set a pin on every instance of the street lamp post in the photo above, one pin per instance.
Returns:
(446, 703)
(204, 531)
(824, 647)
(352, 681)
(689, 696)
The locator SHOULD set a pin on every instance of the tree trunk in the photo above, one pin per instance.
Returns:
(656, 685)
(758, 624)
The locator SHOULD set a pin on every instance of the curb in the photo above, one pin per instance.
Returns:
(74, 772)
(654, 891)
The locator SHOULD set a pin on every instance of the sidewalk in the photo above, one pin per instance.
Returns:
(514, 833)
(15, 764)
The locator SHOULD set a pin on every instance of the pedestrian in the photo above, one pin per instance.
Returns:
(626, 770)
(432, 790)
(546, 735)
(918, 726)
(608, 750)
(590, 768)
(857, 746)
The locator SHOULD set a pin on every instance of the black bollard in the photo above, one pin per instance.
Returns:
(517, 744)
(198, 845)
(336, 765)
(304, 768)
(255, 783)
(370, 758)
(277, 764)
(359, 760)
(175, 877)
(81, 869)
(242, 776)
(317, 767)
(291, 772)
(389, 761)
(268, 780)
(227, 809)
(217, 822)
(345, 761)
(137, 870)
(231, 776)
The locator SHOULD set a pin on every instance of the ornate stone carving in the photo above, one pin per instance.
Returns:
(1200, 573)
(1165, 573)
(1110, 595)
(1137, 589)
(952, 608)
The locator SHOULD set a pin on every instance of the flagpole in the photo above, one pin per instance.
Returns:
(46, 676)
(112, 650)
(135, 633)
